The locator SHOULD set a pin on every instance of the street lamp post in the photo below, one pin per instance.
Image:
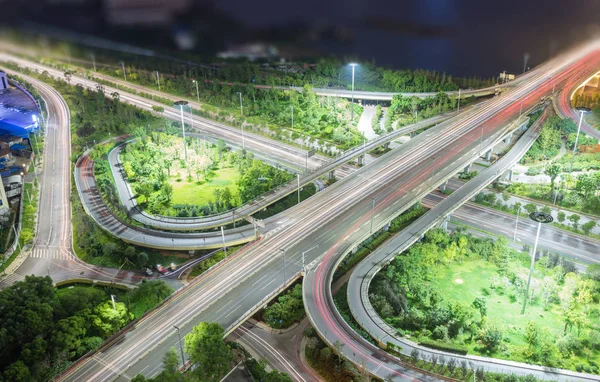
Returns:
(158, 80)
(372, 212)
(516, 224)
(180, 344)
(583, 110)
(284, 275)
(181, 104)
(197, 91)
(242, 113)
(353, 65)
(298, 177)
(458, 103)
(124, 74)
(539, 217)
(241, 105)
(223, 237)
(292, 106)
(93, 56)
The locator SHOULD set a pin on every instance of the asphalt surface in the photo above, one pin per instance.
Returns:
(52, 252)
(360, 279)
(227, 293)
(317, 293)
(244, 282)
(126, 195)
(279, 348)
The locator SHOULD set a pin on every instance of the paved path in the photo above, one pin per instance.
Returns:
(364, 123)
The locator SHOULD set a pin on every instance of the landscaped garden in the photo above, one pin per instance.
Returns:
(464, 294)
(570, 183)
(213, 179)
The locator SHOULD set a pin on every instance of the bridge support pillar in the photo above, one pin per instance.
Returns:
(508, 138)
(386, 227)
(443, 186)
(331, 175)
(467, 169)
(361, 160)
(509, 175)
(488, 155)
(445, 223)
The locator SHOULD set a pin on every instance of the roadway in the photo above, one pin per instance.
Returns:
(328, 92)
(245, 281)
(360, 279)
(317, 294)
(127, 199)
(52, 251)
(281, 152)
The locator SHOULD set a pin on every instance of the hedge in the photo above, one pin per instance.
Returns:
(444, 346)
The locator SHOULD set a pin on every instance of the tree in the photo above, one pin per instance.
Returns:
(490, 338)
(587, 227)
(575, 220)
(208, 350)
(561, 216)
(481, 304)
(17, 372)
(532, 332)
(108, 319)
(171, 361)
(530, 207)
(553, 170)
(517, 207)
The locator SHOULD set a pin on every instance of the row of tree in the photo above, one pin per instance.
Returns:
(404, 294)
(42, 329)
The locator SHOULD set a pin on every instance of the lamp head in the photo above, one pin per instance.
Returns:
(583, 109)
(541, 217)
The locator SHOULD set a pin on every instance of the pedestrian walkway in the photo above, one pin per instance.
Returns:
(12, 278)
(364, 124)
(50, 253)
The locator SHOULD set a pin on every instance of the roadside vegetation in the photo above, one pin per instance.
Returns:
(464, 294)
(574, 189)
(214, 179)
(212, 357)
(44, 328)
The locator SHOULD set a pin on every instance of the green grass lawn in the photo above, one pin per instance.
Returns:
(467, 281)
(472, 279)
(202, 193)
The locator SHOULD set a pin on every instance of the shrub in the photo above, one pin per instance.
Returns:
(444, 347)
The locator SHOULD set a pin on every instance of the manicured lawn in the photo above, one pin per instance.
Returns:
(472, 279)
(201, 193)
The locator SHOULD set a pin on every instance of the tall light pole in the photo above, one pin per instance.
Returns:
(158, 79)
(292, 106)
(242, 113)
(516, 224)
(353, 65)
(583, 110)
(197, 91)
(181, 104)
(372, 212)
(241, 106)
(124, 74)
(284, 275)
(458, 103)
(298, 177)
(539, 217)
(180, 344)
(93, 56)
